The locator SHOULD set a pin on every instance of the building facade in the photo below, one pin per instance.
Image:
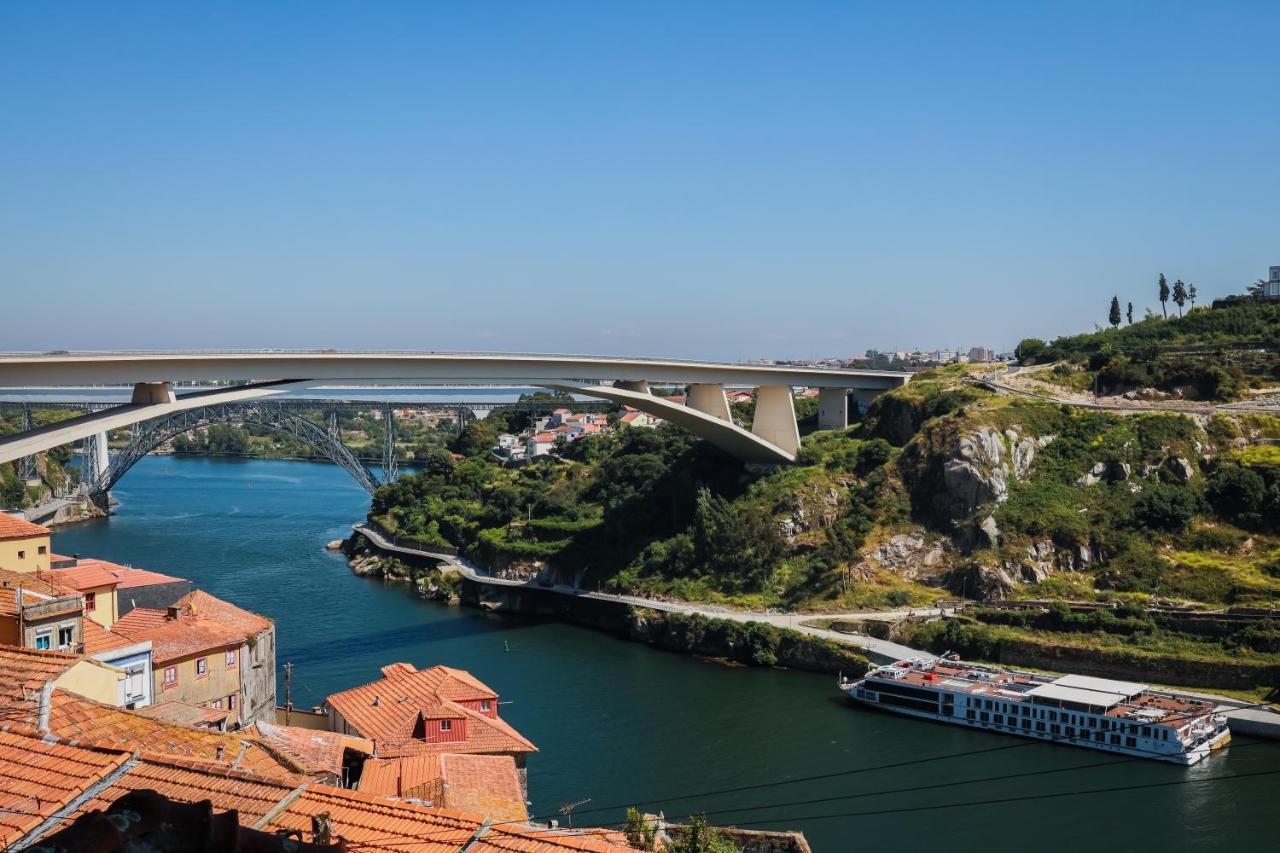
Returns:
(24, 547)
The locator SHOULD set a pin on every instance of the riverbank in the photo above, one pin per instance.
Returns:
(670, 626)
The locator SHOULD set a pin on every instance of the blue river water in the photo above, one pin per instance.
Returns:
(619, 723)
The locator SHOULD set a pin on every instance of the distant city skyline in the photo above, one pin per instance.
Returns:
(711, 181)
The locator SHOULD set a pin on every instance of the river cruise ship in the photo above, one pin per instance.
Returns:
(1079, 710)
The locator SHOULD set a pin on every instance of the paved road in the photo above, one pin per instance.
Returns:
(878, 651)
(1266, 403)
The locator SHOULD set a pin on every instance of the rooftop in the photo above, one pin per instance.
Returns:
(198, 623)
(182, 714)
(12, 527)
(485, 784)
(387, 710)
(98, 639)
(126, 577)
(316, 752)
(366, 822)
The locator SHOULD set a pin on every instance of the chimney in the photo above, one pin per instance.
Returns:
(172, 613)
(377, 700)
(217, 752)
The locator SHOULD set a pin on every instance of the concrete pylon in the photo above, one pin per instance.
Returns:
(709, 399)
(774, 419)
(153, 392)
(640, 386)
(833, 408)
(863, 398)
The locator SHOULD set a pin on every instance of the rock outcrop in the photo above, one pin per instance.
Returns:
(984, 465)
(912, 555)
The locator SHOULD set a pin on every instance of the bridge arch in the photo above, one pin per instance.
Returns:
(149, 435)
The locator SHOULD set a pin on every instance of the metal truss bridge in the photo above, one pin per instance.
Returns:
(100, 471)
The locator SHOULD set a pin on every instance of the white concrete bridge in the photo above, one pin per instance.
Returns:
(773, 438)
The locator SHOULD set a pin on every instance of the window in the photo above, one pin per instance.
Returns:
(231, 659)
(43, 639)
(42, 550)
(231, 701)
(22, 555)
(170, 676)
(1131, 741)
(66, 636)
(216, 704)
(446, 725)
(90, 601)
(133, 685)
(202, 667)
(485, 705)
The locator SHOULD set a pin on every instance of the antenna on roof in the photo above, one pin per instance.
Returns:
(567, 810)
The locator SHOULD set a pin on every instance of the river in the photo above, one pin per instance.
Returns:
(618, 722)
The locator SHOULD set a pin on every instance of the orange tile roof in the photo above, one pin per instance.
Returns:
(12, 527)
(250, 794)
(74, 718)
(58, 773)
(10, 581)
(84, 576)
(181, 637)
(40, 778)
(484, 784)
(98, 639)
(387, 711)
(182, 714)
(315, 751)
(200, 603)
(368, 823)
(23, 672)
(126, 577)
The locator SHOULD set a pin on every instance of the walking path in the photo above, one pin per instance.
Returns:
(878, 651)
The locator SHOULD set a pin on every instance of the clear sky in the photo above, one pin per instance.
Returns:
(725, 180)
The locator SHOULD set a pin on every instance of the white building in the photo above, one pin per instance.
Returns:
(1271, 289)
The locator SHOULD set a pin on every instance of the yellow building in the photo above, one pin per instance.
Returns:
(200, 656)
(24, 547)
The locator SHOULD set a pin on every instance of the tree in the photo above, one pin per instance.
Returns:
(1237, 493)
(1129, 313)
(1114, 316)
(1179, 295)
(1029, 349)
(1191, 294)
(1164, 296)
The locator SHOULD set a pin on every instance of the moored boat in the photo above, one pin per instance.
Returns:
(1122, 717)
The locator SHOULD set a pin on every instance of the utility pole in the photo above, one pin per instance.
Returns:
(288, 691)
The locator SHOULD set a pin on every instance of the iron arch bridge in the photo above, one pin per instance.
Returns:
(287, 420)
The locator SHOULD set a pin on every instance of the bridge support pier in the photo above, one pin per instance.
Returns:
(863, 398)
(833, 408)
(708, 399)
(149, 393)
(774, 419)
(389, 446)
(640, 386)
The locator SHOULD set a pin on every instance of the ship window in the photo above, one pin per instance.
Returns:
(1115, 740)
(1026, 724)
(999, 719)
(1146, 731)
(969, 714)
(1071, 732)
(1054, 729)
(1164, 734)
(1053, 715)
(1039, 727)
(1131, 741)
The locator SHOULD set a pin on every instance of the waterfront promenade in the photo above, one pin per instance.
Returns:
(877, 651)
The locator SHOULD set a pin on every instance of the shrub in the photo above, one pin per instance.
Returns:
(1237, 494)
(1166, 507)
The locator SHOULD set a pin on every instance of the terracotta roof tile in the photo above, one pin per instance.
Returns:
(126, 577)
(250, 794)
(182, 714)
(175, 638)
(371, 823)
(484, 784)
(314, 751)
(387, 711)
(87, 575)
(23, 672)
(40, 778)
(74, 718)
(201, 603)
(98, 639)
(12, 527)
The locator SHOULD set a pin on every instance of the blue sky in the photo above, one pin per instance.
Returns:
(725, 180)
